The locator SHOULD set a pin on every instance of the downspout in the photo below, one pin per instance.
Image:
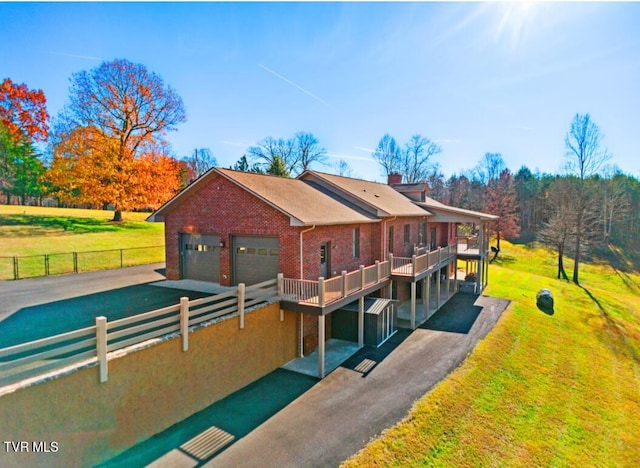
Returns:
(302, 277)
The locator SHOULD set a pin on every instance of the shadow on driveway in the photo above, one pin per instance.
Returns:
(367, 358)
(54, 318)
(238, 414)
(457, 316)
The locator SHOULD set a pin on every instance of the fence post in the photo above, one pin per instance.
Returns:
(344, 283)
(413, 265)
(46, 265)
(241, 303)
(281, 293)
(280, 285)
(321, 291)
(121, 258)
(75, 262)
(101, 347)
(362, 279)
(16, 273)
(390, 264)
(378, 271)
(184, 322)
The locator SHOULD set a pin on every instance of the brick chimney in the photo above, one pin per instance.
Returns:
(394, 179)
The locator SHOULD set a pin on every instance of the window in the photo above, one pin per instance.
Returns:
(422, 233)
(407, 233)
(391, 239)
(263, 252)
(355, 243)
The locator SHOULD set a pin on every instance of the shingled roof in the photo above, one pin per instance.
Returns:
(436, 207)
(381, 199)
(304, 205)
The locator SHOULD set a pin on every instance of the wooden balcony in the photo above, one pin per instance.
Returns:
(420, 266)
(470, 247)
(326, 295)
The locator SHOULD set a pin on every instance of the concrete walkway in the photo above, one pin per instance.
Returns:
(371, 391)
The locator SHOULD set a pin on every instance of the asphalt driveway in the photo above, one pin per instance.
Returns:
(290, 420)
(37, 308)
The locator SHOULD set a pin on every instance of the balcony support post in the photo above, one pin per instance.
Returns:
(413, 304)
(321, 324)
(425, 296)
(438, 278)
(361, 322)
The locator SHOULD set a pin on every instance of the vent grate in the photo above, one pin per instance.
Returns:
(365, 366)
(204, 445)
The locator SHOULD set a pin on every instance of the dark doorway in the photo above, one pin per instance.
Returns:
(325, 260)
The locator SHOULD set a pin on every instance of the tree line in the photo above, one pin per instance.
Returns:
(108, 147)
(589, 209)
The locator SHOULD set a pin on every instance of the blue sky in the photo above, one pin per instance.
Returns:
(474, 77)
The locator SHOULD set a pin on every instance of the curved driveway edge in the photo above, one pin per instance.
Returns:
(340, 414)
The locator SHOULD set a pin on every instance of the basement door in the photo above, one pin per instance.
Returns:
(200, 255)
(255, 259)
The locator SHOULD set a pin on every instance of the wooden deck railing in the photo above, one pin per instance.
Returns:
(90, 345)
(325, 291)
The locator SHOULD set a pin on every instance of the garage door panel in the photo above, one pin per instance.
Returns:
(201, 257)
(256, 259)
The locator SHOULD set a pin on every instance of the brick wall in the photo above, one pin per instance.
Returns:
(400, 247)
(223, 208)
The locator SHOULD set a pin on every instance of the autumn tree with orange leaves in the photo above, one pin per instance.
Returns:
(23, 121)
(109, 143)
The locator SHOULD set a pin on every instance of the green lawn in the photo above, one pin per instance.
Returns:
(539, 390)
(33, 232)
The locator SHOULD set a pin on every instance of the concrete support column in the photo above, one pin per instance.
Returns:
(425, 297)
(428, 294)
(486, 275)
(321, 324)
(413, 305)
(438, 276)
(361, 322)
(301, 334)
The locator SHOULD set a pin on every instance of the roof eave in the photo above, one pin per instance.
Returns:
(299, 223)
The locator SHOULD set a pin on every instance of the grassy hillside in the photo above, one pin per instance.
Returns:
(36, 231)
(540, 390)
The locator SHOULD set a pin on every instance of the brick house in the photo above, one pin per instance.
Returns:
(322, 233)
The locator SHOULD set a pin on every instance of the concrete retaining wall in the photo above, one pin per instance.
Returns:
(83, 422)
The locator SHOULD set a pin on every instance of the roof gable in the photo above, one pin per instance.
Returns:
(304, 205)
